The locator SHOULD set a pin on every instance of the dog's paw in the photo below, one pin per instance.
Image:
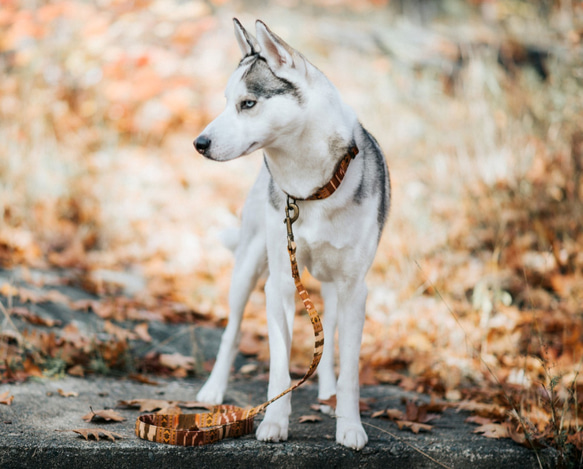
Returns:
(351, 435)
(272, 431)
(328, 410)
(211, 394)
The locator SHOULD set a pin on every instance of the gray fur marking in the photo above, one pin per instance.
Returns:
(373, 178)
(263, 83)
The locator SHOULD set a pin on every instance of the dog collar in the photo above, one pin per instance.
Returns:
(328, 189)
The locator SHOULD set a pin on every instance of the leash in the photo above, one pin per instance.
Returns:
(228, 421)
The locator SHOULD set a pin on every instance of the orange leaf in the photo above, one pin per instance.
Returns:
(6, 398)
(108, 415)
(146, 405)
(415, 427)
(176, 360)
(141, 331)
(67, 393)
(95, 432)
(493, 430)
(309, 419)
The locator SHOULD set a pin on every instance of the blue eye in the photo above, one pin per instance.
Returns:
(248, 104)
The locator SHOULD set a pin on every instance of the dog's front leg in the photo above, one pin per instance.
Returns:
(279, 292)
(250, 262)
(351, 314)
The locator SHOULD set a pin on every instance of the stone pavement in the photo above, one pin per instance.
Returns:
(32, 436)
(35, 429)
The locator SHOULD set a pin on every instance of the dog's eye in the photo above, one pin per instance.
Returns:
(248, 104)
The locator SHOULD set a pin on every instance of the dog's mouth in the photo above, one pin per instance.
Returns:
(254, 146)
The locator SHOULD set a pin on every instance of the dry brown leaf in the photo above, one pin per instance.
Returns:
(485, 410)
(393, 414)
(176, 361)
(415, 427)
(141, 331)
(95, 432)
(108, 415)
(119, 332)
(493, 430)
(147, 405)
(195, 405)
(6, 398)
(31, 368)
(67, 393)
(33, 318)
(478, 420)
(171, 410)
(76, 370)
(309, 419)
(143, 379)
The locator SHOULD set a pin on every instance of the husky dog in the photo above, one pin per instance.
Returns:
(280, 102)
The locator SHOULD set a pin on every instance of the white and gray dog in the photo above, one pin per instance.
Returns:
(280, 102)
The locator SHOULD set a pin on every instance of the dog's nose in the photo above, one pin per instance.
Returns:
(202, 144)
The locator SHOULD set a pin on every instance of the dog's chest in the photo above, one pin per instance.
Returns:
(323, 245)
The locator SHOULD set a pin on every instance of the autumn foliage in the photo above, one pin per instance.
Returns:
(476, 295)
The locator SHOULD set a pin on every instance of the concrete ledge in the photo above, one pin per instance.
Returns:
(28, 437)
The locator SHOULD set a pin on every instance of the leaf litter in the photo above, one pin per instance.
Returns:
(476, 291)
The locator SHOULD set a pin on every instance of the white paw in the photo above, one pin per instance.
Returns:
(211, 394)
(272, 431)
(351, 435)
(328, 410)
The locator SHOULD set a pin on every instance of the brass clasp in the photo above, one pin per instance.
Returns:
(289, 220)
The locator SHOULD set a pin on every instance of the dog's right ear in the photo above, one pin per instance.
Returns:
(247, 43)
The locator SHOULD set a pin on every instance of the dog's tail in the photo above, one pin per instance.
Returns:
(230, 238)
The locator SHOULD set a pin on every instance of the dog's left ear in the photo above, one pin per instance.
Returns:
(276, 51)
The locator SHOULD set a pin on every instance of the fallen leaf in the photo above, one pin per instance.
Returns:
(146, 405)
(477, 419)
(171, 410)
(141, 331)
(67, 393)
(393, 414)
(493, 430)
(108, 415)
(6, 398)
(143, 379)
(330, 402)
(33, 318)
(415, 427)
(195, 405)
(309, 419)
(119, 332)
(76, 370)
(95, 432)
(176, 360)
(485, 410)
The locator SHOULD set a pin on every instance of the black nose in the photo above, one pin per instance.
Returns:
(202, 144)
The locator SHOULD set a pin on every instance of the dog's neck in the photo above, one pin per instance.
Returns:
(305, 159)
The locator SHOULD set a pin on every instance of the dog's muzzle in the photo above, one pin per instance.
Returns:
(202, 144)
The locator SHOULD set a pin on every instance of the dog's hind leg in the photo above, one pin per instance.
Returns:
(351, 314)
(326, 375)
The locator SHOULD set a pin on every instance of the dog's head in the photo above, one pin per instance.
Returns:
(265, 97)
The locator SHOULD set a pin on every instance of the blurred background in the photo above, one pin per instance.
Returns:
(477, 288)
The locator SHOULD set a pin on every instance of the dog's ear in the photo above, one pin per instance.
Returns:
(247, 43)
(276, 51)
